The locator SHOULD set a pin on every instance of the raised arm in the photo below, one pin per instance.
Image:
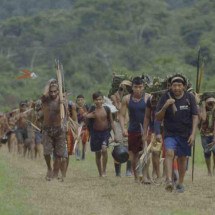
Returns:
(161, 113)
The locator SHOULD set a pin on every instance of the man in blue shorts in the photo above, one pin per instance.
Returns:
(178, 110)
(100, 125)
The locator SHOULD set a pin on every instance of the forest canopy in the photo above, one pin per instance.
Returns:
(94, 38)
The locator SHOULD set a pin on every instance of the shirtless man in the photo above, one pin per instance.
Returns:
(54, 132)
(101, 124)
(24, 131)
(135, 103)
(81, 109)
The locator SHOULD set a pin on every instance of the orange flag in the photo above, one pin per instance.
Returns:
(27, 74)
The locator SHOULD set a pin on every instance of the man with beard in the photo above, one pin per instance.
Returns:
(178, 110)
(54, 133)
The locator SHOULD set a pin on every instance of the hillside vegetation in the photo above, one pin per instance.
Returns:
(94, 38)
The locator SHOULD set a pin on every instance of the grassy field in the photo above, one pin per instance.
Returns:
(13, 196)
(23, 190)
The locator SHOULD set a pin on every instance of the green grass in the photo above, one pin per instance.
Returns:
(199, 156)
(13, 197)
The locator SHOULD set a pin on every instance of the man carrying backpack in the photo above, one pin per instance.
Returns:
(178, 110)
(100, 125)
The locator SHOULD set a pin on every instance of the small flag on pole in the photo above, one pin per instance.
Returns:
(27, 74)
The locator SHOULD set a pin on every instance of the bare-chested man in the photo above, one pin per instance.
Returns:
(54, 132)
(101, 123)
(24, 132)
(81, 108)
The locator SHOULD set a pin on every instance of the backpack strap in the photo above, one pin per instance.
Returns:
(107, 109)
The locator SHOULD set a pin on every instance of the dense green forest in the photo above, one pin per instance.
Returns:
(94, 38)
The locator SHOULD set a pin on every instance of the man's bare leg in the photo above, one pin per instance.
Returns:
(32, 150)
(98, 162)
(38, 150)
(56, 166)
(156, 163)
(134, 160)
(104, 160)
(25, 149)
(146, 176)
(49, 167)
(63, 168)
(182, 165)
(164, 168)
(168, 162)
(20, 148)
(208, 164)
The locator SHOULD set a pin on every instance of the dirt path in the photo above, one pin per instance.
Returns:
(86, 194)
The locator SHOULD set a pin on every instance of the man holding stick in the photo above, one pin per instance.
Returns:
(178, 110)
(54, 133)
(135, 103)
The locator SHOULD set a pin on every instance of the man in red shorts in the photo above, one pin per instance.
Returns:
(135, 103)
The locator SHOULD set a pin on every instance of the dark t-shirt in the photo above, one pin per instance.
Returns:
(180, 123)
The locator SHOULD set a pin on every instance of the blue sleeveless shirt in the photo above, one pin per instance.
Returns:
(136, 114)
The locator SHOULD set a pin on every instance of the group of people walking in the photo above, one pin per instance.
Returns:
(162, 124)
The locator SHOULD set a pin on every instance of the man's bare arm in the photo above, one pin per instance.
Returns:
(122, 113)
(195, 122)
